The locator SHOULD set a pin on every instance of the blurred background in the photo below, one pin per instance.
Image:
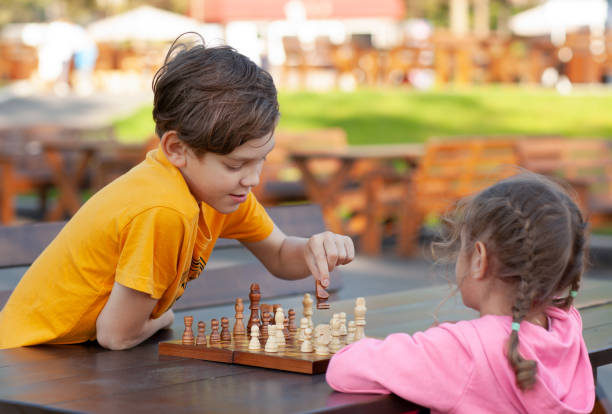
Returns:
(391, 109)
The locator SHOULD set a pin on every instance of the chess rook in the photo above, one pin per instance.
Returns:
(188, 333)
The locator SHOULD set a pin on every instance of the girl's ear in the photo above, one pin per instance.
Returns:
(174, 148)
(479, 261)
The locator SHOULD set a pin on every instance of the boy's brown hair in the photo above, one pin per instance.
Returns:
(535, 234)
(213, 97)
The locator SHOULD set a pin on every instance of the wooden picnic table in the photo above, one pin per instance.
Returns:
(69, 160)
(87, 378)
(327, 191)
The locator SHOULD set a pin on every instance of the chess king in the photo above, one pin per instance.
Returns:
(117, 267)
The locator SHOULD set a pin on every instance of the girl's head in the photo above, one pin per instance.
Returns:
(534, 238)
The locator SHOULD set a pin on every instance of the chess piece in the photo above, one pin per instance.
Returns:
(286, 327)
(264, 307)
(239, 329)
(254, 298)
(307, 302)
(307, 343)
(254, 344)
(264, 326)
(188, 333)
(303, 326)
(336, 331)
(271, 345)
(214, 337)
(201, 338)
(279, 318)
(360, 322)
(343, 330)
(292, 327)
(226, 336)
(322, 295)
(322, 338)
(350, 337)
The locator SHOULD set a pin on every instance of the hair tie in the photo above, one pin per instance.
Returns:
(573, 293)
(516, 326)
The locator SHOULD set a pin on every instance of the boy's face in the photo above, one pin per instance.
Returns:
(224, 181)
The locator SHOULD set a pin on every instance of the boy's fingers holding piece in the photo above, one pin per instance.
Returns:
(331, 251)
(316, 254)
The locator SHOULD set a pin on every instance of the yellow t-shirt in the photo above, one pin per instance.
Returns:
(145, 231)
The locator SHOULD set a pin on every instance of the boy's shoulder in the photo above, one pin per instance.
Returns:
(154, 183)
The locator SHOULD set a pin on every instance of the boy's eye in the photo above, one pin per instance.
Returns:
(233, 167)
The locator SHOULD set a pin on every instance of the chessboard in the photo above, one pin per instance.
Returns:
(287, 348)
(288, 357)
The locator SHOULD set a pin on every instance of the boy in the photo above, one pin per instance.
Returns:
(116, 268)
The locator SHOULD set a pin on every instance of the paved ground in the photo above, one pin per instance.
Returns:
(21, 105)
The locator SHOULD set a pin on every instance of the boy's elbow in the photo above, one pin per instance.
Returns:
(113, 342)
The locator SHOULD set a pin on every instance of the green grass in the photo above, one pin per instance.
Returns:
(404, 115)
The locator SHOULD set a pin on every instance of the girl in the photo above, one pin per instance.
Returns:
(519, 248)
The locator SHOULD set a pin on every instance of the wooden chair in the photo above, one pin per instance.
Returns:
(585, 163)
(450, 170)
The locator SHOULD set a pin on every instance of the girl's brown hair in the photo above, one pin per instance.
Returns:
(214, 98)
(536, 235)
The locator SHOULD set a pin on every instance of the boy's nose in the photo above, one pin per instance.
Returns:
(252, 178)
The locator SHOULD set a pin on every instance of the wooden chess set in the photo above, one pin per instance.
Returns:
(271, 339)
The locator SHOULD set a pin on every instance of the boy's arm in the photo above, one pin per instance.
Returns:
(297, 257)
(125, 321)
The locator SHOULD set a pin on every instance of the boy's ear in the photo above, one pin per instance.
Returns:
(174, 148)
(479, 261)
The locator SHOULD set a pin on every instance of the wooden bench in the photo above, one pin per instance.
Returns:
(227, 276)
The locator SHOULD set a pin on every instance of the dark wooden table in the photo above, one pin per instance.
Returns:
(86, 378)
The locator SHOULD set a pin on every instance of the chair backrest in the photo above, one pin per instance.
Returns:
(454, 168)
(577, 160)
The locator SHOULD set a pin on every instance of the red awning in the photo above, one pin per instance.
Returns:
(223, 11)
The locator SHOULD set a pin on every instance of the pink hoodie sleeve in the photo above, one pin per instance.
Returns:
(430, 368)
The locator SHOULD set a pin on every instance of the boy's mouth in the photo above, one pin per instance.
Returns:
(239, 198)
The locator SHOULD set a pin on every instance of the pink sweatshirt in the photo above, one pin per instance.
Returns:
(462, 367)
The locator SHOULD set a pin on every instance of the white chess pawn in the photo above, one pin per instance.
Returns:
(350, 336)
(279, 318)
(336, 344)
(343, 330)
(254, 343)
(307, 343)
(360, 321)
(322, 337)
(271, 345)
(303, 326)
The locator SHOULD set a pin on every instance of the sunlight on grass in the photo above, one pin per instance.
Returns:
(404, 115)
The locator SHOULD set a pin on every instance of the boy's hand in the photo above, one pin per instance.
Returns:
(325, 251)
